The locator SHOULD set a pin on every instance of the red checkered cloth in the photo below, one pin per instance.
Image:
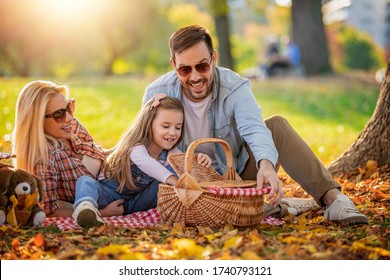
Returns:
(272, 221)
(238, 191)
(148, 218)
(135, 220)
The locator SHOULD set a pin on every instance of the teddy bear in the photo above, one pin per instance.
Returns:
(20, 183)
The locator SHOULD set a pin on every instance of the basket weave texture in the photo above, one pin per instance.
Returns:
(191, 203)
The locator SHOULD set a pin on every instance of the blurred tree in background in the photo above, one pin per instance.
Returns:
(308, 33)
(86, 37)
(220, 12)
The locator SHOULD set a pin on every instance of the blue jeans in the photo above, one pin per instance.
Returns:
(101, 193)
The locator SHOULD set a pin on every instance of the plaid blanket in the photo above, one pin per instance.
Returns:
(151, 217)
(238, 191)
(148, 218)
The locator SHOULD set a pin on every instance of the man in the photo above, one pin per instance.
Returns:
(219, 103)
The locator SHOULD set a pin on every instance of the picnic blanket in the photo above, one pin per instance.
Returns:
(148, 218)
(237, 191)
(151, 217)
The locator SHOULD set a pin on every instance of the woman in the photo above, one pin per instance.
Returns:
(52, 144)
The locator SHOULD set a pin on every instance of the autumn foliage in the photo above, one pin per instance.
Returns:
(306, 236)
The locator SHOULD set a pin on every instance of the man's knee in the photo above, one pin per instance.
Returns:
(276, 122)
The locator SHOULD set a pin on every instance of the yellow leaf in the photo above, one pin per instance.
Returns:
(133, 256)
(188, 249)
(255, 237)
(177, 229)
(371, 164)
(302, 223)
(233, 242)
(30, 201)
(249, 255)
(357, 245)
(113, 249)
(6, 228)
(211, 237)
(11, 217)
(361, 170)
(293, 239)
(310, 248)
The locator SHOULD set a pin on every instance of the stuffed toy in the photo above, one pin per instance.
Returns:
(20, 191)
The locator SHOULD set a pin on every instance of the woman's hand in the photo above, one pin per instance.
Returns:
(204, 160)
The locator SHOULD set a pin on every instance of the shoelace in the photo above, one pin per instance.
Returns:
(303, 206)
(348, 206)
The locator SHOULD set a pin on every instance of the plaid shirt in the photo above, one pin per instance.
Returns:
(64, 166)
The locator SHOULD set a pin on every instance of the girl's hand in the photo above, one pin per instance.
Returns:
(204, 160)
(171, 180)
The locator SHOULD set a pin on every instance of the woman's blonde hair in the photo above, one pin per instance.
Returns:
(29, 141)
(118, 163)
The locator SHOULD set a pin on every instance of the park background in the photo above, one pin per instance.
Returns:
(109, 51)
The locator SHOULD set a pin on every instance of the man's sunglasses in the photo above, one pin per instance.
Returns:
(60, 115)
(202, 68)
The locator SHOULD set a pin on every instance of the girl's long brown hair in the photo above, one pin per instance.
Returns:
(118, 163)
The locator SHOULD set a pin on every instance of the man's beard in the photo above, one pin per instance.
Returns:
(196, 97)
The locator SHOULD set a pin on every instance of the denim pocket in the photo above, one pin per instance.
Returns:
(221, 133)
(140, 179)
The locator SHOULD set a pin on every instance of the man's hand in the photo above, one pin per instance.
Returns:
(115, 208)
(267, 176)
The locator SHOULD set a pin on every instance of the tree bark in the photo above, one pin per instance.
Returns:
(373, 143)
(220, 11)
(309, 34)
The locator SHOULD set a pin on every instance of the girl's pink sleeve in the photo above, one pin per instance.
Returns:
(140, 157)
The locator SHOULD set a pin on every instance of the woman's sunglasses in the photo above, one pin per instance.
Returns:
(60, 115)
(202, 68)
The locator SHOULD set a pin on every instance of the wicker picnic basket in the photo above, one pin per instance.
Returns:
(191, 202)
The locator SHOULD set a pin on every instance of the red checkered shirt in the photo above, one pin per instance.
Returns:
(64, 166)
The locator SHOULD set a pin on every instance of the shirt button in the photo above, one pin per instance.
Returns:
(138, 178)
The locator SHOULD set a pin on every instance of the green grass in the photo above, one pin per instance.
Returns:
(328, 112)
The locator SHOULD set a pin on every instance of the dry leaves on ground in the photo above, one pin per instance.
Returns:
(307, 236)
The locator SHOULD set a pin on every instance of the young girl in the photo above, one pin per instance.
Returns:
(138, 163)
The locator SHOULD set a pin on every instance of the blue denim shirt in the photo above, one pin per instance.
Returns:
(234, 116)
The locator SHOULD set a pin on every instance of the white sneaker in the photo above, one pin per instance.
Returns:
(296, 205)
(86, 215)
(343, 211)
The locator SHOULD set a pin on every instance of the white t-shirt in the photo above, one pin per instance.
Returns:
(197, 126)
(92, 164)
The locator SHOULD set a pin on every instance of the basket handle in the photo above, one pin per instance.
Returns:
(230, 173)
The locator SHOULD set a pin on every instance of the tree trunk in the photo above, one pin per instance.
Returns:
(309, 35)
(373, 143)
(220, 10)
